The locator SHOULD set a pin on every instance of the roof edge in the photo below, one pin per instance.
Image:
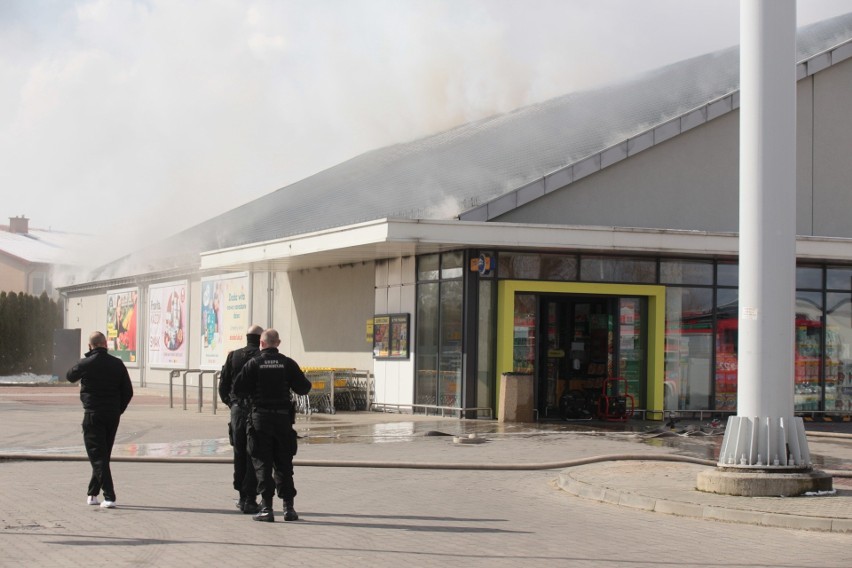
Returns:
(640, 142)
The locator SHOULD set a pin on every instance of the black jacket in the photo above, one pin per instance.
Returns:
(268, 379)
(104, 383)
(233, 365)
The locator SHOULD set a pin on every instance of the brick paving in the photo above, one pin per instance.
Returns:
(182, 513)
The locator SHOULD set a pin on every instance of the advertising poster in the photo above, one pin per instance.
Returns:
(167, 325)
(225, 310)
(399, 336)
(122, 310)
(390, 336)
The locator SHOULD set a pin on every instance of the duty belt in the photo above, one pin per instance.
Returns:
(272, 410)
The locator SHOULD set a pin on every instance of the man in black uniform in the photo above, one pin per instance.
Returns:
(105, 391)
(268, 380)
(244, 479)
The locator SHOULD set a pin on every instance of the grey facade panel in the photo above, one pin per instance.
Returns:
(613, 154)
(818, 63)
(502, 205)
(667, 130)
(558, 179)
(639, 143)
(719, 107)
(841, 53)
(587, 167)
(693, 119)
(530, 192)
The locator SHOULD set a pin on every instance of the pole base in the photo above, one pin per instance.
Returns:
(729, 481)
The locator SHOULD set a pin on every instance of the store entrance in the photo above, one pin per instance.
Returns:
(585, 340)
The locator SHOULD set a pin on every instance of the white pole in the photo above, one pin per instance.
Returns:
(764, 430)
(767, 207)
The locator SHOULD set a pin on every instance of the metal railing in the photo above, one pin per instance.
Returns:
(184, 372)
(381, 406)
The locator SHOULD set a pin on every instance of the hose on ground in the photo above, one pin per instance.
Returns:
(395, 465)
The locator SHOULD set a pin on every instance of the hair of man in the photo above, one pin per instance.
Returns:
(97, 339)
(270, 338)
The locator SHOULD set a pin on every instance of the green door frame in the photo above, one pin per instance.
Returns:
(656, 295)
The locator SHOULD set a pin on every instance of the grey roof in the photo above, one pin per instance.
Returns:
(448, 174)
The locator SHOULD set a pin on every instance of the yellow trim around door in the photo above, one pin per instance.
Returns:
(506, 290)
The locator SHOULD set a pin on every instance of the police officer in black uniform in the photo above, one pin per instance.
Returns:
(244, 478)
(268, 380)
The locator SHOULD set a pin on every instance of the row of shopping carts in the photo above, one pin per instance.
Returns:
(334, 389)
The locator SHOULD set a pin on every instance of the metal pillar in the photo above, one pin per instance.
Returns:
(765, 451)
(764, 432)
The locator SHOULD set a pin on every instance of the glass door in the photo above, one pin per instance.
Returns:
(632, 346)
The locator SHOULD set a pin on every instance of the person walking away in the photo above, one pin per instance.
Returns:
(105, 391)
(245, 481)
(269, 379)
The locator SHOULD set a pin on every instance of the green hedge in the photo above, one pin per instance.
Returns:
(26, 333)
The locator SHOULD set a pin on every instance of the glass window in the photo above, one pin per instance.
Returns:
(727, 274)
(558, 267)
(485, 350)
(689, 341)
(727, 325)
(807, 393)
(612, 269)
(809, 277)
(39, 283)
(523, 357)
(427, 267)
(631, 347)
(450, 374)
(839, 278)
(520, 266)
(686, 272)
(838, 355)
(452, 265)
(426, 385)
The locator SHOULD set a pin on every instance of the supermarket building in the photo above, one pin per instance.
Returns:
(589, 236)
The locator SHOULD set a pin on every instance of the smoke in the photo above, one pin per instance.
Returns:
(136, 119)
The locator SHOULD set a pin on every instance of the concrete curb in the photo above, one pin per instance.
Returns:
(635, 500)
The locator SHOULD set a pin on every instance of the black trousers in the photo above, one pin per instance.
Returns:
(245, 480)
(99, 436)
(272, 445)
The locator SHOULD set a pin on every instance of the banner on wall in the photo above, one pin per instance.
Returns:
(122, 309)
(167, 325)
(225, 310)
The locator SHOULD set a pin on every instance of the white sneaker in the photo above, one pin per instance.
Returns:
(92, 500)
(108, 505)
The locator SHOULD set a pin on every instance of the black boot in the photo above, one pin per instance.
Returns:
(290, 513)
(265, 513)
(241, 502)
(250, 506)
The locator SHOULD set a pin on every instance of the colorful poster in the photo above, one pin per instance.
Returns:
(225, 311)
(167, 325)
(122, 309)
(390, 336)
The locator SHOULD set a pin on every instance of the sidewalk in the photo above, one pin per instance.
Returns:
(176, 512)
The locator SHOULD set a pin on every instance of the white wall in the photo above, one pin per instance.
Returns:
(395, 293)
(321, 315)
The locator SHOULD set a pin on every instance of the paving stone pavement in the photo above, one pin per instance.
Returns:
(173, 514)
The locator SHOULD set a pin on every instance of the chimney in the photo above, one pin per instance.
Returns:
(19, 225)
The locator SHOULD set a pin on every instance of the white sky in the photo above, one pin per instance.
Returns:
(135, 119)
